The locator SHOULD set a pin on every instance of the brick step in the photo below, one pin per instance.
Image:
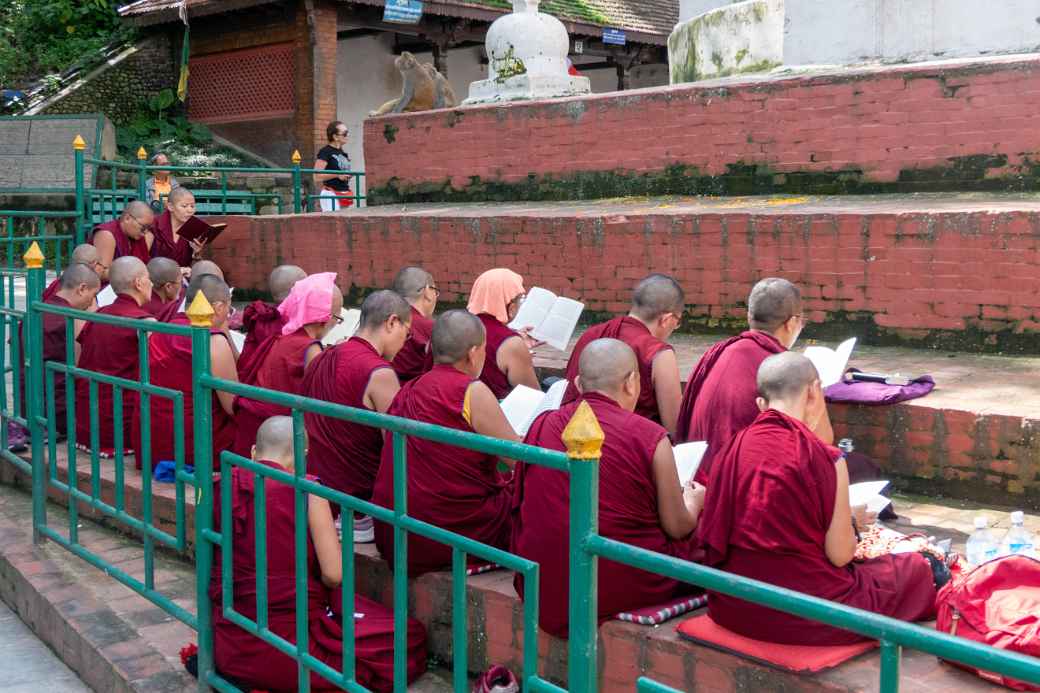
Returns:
(945, 270)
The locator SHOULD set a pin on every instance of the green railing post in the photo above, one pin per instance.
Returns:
(297, 183)
(78, 145)
(890, 656)
(142, 172)
(33, 386)
(584, 440)
(200, 313)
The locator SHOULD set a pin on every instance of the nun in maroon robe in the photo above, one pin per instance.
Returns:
(137, 247)
(180, 250)
(414, 358)
(636, 335)
(628, 512)
(770, 501)
(458, 490)
(719, 400)
(113, 351)
(260, 321)
(247, 659)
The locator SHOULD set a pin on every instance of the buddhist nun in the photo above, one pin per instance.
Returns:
(170, 358)
(356, 373)
(777, 510)
(167, 288)
(113, 351)
(247, 660)
(311, 310)
(641, 501)
(719, 400)
(180, 207)
(130, 234)
(82, 254)
(657, 308)
(261, 320)
(495, 299)
(459, 490)
(416, 286)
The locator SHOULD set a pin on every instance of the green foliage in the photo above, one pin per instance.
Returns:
(157, 126)
(43, 36)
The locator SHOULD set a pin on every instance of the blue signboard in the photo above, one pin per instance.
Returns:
(615, 37)
(403, 11)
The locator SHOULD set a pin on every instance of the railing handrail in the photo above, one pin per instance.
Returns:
(47, 214)
(149, 168)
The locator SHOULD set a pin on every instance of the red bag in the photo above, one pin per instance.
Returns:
(996, 604)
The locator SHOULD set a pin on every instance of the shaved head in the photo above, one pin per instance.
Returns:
(380, 305)
(206, 266)
(84, 254)
(785, 375)
(604, 364)
(274, 439)
(163, 270)
(178, 193)
(137, 208)
(656, 295)
(211, 286)
(76, 275)
(773, 301)
(124, 271)
(454, 334)
(411, 281)
(281, 280)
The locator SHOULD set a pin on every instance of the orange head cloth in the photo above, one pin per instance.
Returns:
(493, 291)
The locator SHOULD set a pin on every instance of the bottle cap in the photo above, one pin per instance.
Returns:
(1018, 517)
(981, 522)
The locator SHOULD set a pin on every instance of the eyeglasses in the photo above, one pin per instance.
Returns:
(519, 299)
(342, 133)
(338, 318)
(144, 227)
(436, 291)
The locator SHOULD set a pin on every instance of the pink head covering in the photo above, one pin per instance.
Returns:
(493, 291)
(309, 301)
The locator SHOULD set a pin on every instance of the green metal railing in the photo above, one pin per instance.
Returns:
(55, 231)
(583, 440)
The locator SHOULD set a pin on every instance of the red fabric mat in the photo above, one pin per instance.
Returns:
(797, 658)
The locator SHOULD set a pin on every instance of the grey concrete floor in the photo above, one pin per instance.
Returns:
(27, 665)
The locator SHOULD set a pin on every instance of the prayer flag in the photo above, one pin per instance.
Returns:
(182, 82)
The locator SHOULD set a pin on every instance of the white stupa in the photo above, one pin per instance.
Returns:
(527, 54)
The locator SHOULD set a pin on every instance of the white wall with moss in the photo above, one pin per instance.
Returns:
(736, 38)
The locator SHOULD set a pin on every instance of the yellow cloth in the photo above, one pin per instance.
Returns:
(161, 189)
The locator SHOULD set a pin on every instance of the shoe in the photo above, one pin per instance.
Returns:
(497, 679)
(364, 530)
(17, 437)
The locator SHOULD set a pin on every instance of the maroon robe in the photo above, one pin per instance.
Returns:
(249, 660)
(53, 288)
(54, 349)
(170, 362)
(260, 321)
(113, 351)
(124, 244)
(164, 246)
(719, 400)
(636, 335)
(627, 512)
(458, 490)
(414, 357)
(769, 504)
(277, 365)
(343, 454)
(165, 311)
(492, 375)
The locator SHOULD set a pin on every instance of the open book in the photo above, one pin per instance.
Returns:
(238, 339)
(831, 363)
(106, 297)
(688, 458)
(525, 404)
(196, 229)
(553, 318)
(345, 329)
(868, 493)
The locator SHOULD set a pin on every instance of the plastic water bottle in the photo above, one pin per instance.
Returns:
(1018, 540)
(981, 545)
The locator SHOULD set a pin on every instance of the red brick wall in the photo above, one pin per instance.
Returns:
(961, 275)
(869, 125)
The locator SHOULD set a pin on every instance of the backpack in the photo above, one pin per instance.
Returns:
(998, 604)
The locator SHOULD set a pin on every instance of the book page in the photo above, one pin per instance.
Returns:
(534, 309)
(868, 493)
(238, 339)
(688, 458)
(519, 405)
(830, 363)
(551, 401)
(558, 327)
(344, 330)
(106, 296)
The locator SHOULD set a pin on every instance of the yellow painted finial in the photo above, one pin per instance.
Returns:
(583, 435)
(296, 158)
(79, 143)
(142, 154)
(33, 256)
(200, 312)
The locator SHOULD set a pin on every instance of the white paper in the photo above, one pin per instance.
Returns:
(344, 330)
(831, 363)
(106, 297)
(688, 458)
(238, 339)
(551, 317)
(525, 404)
(868, 493)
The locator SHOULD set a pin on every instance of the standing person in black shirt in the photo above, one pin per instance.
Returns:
(335, 187)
